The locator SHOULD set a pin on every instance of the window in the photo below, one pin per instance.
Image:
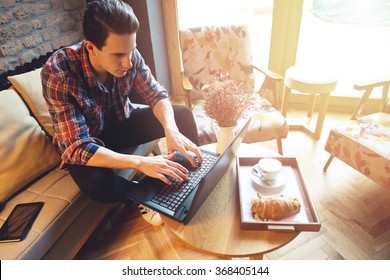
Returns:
(257, 14)
(349, 37)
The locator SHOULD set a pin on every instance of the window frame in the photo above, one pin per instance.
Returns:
(286, 23)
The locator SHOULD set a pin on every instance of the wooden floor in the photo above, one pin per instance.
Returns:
(354, 213)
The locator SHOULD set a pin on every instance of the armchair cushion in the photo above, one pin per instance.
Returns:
(207, 128)
(364, 144)
(267, 123)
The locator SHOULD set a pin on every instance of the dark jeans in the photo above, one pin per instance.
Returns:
(103, 184)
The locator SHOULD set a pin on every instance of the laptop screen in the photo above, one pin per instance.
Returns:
(215, 174)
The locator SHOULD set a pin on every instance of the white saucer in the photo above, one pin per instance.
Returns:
(280, 181)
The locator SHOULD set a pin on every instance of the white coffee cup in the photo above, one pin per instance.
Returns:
(267, 169)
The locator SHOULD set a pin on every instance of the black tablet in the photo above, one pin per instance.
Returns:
(19, 222)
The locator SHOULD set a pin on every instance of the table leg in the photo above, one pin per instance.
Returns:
(321, 114)
(311, 105)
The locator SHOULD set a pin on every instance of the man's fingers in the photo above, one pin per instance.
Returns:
(176, 174)
(198, 154)
(171, 169)
(189, 157)
(164, 179)
(174, 164)
(196, 151)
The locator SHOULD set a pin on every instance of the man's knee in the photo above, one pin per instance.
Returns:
(183, 111)
(96, 183)
(98, 188)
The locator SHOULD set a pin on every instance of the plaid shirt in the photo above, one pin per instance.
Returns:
(79, 104)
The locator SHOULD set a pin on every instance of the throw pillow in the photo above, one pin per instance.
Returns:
(29, 86)
(25, 150)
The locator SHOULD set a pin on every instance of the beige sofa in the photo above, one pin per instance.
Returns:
(29, 172)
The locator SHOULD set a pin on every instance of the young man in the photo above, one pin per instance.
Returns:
(87, 89)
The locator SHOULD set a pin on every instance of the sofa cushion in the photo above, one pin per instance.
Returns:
(29, 86)
(63, 204)
(25, 150)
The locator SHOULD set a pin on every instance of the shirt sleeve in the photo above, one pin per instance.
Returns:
(71, 134)
(145, 84)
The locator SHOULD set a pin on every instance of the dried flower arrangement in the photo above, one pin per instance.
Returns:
(226, 100)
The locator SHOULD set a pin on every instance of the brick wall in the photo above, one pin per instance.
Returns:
(30, 28)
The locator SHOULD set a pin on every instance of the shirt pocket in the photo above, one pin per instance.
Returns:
(93, 116)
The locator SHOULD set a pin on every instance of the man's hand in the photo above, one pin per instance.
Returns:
(178, 142)
(175, 140)
(161, 166)
(157, 166)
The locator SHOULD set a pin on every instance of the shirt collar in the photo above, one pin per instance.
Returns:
(89, 74)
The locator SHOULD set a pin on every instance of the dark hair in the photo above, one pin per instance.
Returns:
(104, 16)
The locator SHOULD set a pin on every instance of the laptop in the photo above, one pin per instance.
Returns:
(180, 201)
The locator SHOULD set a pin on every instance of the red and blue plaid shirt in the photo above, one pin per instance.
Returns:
(79, 104)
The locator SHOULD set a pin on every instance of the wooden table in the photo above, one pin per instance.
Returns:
(215, 228)
(314, 82)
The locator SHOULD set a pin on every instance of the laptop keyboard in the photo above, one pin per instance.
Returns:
(172, 196)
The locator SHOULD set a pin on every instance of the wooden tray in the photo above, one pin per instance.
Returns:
(249, 188)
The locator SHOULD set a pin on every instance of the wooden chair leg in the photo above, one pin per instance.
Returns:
(321, 115)
(311, 105)
(280, 147)
(328, 162)
(286, 98)
(276, 97)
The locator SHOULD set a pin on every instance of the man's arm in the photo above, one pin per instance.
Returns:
(156, 166)
(176, 141)
(157, 98)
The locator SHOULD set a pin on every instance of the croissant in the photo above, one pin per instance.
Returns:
(274, 208)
